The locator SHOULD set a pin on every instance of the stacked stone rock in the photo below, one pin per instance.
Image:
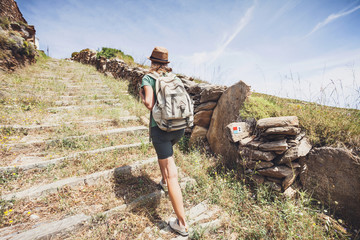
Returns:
(272, 155)
(204, 95)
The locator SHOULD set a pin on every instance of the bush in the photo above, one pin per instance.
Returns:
(85, 50)
(74, 54)
(109, 53)
(41, 55)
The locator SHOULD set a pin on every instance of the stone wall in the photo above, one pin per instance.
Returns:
(270, 150)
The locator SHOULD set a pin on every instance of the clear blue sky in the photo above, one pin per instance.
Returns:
(302, 49)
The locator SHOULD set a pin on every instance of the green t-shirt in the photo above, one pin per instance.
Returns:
(149, 81)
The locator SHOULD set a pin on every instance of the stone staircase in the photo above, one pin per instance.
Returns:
(90, 176)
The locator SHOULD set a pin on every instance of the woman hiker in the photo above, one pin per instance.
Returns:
(163, 141)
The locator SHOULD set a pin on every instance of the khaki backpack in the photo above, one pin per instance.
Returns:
(173, 109)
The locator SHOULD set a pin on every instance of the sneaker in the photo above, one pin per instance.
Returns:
(163, 186)
(175, 225)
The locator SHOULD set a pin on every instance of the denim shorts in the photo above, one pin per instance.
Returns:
(163, 141)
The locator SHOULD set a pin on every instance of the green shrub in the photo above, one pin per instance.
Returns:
(41, 55)
(74, 54)
(109, 53)
(85, 50)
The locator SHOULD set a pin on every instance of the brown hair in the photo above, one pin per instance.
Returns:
(159, 67)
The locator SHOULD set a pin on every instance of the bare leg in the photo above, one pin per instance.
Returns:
(170, 175)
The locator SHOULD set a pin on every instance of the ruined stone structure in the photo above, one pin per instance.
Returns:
(17, 38)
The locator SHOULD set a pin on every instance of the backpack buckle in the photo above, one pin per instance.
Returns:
(169, 126)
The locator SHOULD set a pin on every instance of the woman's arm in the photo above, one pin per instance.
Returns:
(149, 99)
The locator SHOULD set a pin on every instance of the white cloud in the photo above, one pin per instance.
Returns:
(199, 58)
(332, 18)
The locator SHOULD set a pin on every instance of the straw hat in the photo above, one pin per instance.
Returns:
(160, 55)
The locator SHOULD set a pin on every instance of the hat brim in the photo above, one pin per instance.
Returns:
(158, 60)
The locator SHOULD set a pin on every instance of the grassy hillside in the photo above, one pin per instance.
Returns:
(325, 126)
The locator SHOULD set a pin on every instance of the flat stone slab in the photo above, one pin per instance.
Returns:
(279, 145)
(292, 131)
(48, 230)
(278, 122)
(38, 191)
(257, 164)
(252, 154)
(276, 172)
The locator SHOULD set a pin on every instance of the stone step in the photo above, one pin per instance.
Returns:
(92, 86)
(78, 107)
(97, 96)
(39, 191)
(127, 130)
(47, 126)
(44, 164)
(49, 230)
(85, 101)
(200, 217)
(72, 224)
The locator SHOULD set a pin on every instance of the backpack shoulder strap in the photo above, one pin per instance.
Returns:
(154, 75)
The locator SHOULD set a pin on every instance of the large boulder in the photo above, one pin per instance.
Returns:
(226, 111)
(333, 176)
